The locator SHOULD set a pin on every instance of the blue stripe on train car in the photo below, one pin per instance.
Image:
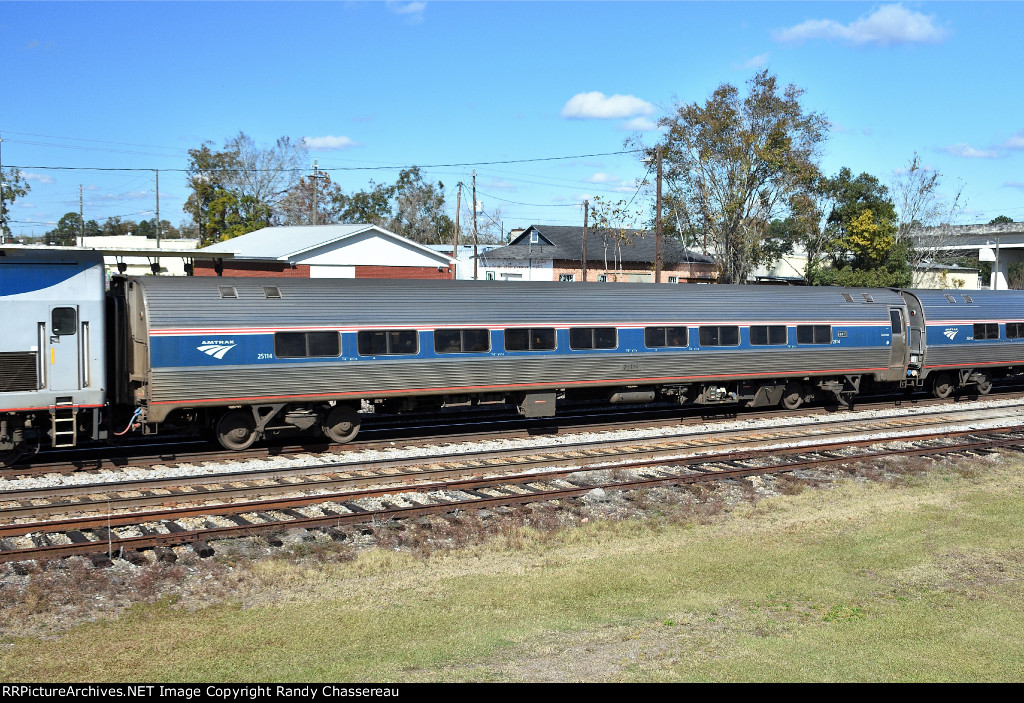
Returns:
(25, 277)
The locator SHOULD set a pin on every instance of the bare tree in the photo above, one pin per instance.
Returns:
(919, 204)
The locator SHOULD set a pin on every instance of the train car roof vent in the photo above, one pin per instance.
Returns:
(227, 291)
(950, 298)
(868, 298)
(847, 297)
(968, 299)
(271, 292)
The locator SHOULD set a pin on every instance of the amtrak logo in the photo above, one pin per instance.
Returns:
(951, 332)
(217, 349)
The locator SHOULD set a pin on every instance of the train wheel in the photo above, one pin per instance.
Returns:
(342, 424)
(943, 386)
(792, 396)
(984, 384)
(236, 430)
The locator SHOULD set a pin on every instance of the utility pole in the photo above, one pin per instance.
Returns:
(474, 225)
(586, 208)
(455, 243)
(157, 208)
(316, 189)
(657, 227)
(81, 216)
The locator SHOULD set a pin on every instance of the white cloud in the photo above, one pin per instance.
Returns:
(759, 61)
(889, 24)
(966, 151)
(1015, 142)
(602, 178)
(412, 11)
(39, 177)
(328, 143)
(639, 124)
(597, 105)
(1014, 184)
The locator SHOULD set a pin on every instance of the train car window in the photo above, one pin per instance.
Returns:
(986, 330)
(302, 345)
(63, 321)
(655, 337)
(768, 335)
(1015, 330)
(897, 321)
(593, 338)
(381, 342)
(530, 339)
(813, 334)
(719, 336)
(456, 341)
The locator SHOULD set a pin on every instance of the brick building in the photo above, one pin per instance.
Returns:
(324, 251)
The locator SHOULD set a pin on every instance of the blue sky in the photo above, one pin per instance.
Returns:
(375, 86)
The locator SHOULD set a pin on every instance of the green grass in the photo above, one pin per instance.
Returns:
(865, 582)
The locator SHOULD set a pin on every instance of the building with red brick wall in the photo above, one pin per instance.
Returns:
(324, 251)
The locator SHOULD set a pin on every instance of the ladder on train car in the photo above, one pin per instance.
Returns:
(64, 424)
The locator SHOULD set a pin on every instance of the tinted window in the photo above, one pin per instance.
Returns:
(290, 345)
(897, 321)
(814, 334)
(655, 337)
(64, 321)
(530, 339)
(322, 344)
(762, 335)
(380, 342)
(455, 341)
(592, 338)
(719, 336)
(1014, 330)
(986, 330)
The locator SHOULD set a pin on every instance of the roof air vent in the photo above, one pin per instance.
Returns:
(227, 291)
(271, 292)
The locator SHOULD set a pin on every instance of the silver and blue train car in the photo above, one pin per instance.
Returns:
(972, 337)
(52, 356)
(250, 356)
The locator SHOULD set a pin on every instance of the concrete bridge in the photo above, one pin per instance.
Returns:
(1001, 244)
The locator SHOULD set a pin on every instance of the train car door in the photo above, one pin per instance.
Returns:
(62, 349)
(898, 352)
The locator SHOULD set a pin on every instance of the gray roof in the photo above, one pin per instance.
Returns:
(566, 243)
(284, 243)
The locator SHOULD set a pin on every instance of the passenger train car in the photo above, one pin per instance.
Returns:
(249, 357)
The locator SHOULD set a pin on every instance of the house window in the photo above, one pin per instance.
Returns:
(489, 275)
(655, 337)
(301, 345)
(530, 339)
(593, 338)
(534, 239)
(567, 277)
(719, 336)
(768, 335)
(458, 341)
(813, 334)
(381, 342)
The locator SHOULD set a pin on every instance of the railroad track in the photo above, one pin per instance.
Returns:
(446, 430)
(481, 481)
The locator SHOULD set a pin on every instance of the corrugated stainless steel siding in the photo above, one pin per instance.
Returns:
(986, 305)
(196, 303)
(367, 378)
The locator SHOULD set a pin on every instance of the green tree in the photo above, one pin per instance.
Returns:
(735, 164)
(14, 186)
(1001, 220)
(68, 230)
(858, 245)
